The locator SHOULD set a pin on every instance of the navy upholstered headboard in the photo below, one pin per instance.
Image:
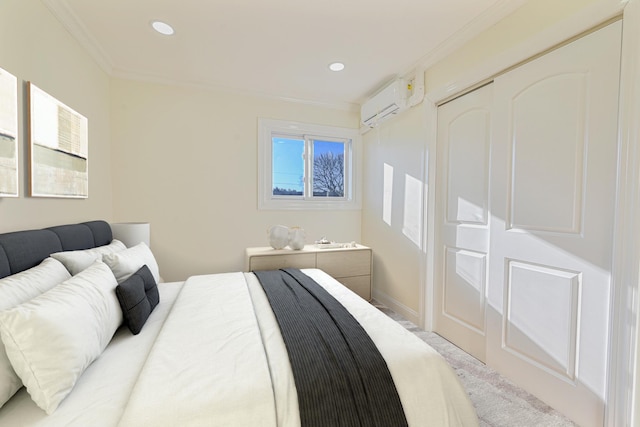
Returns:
(21, 250)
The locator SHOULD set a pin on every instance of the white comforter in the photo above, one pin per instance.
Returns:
(219, 360)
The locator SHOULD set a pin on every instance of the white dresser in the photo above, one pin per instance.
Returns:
(350, 266)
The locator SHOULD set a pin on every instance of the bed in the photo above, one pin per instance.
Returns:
(209, 353)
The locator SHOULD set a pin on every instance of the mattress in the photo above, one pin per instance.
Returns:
(211, 354)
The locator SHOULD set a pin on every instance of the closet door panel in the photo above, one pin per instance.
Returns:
(553, 186)
(551, 140)
(462, 220)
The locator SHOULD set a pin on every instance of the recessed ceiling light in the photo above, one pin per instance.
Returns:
(162, 28)
(336, 66)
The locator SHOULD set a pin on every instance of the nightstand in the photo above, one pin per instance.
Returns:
(349, 266)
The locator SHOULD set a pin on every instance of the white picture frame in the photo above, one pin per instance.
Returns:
(9, 181)
(58, 149)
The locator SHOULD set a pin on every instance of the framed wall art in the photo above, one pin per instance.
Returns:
(8, 134)
(59, 147)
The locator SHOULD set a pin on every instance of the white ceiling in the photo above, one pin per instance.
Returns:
(278, 48)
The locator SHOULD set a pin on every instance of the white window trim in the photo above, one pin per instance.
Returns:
(353, 190)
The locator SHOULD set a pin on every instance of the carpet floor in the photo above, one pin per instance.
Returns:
(498, 402)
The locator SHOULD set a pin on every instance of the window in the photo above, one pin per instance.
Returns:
(293, 157)
(304, 166)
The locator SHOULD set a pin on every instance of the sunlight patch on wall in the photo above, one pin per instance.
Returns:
(413, 199)
(387, 196)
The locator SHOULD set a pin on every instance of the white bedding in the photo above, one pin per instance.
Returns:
(219, 360)
(101, 393)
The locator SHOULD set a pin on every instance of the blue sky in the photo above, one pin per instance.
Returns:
(288, 164)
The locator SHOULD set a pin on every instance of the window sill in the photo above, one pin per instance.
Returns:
(309, 205)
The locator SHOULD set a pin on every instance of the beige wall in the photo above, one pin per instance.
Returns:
(35, 47)
(399, 143)
(185, 160)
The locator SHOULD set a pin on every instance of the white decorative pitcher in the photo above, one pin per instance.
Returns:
(278, 236)
(296, 238)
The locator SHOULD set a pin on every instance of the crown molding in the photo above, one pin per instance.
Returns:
(155, 79)
(61, 10)
(497, 12)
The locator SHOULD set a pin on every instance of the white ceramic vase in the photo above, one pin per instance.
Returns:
(278, 236)
(296, 238)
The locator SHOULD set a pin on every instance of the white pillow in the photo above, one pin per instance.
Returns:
(53, 338)
(15, 290)
(126, 262)
(76, 261)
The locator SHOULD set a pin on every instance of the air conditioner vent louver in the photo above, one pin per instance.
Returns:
(390, 100)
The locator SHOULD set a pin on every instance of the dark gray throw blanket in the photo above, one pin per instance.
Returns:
(340, 376)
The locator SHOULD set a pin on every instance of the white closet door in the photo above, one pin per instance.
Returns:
(462, 220)
(553, 185)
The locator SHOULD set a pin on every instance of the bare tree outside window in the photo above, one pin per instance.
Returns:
(328, 175)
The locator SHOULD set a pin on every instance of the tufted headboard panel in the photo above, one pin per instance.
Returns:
(21, 250)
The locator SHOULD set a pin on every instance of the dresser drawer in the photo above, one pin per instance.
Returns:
(274, 262)
(349, 266)
(345, 263)
(361, 285)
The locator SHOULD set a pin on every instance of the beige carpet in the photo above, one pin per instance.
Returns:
(498, 402)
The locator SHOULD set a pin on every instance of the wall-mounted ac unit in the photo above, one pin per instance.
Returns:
(389, 101)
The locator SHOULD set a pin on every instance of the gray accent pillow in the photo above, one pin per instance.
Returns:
(138, 296)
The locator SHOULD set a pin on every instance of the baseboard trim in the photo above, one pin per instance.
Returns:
(396, 306)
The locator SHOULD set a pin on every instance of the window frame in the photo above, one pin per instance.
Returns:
(268, 128)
